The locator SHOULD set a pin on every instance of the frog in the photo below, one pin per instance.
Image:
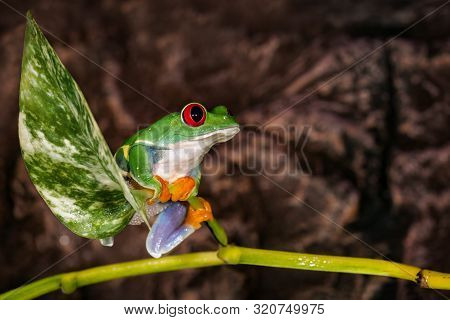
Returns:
(162, 166)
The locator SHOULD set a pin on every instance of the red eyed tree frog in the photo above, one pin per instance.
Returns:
(161, 164)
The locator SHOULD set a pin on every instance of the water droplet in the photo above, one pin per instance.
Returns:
(107, 242)
(64, 240)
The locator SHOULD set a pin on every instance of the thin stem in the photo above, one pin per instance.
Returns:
(69, 282)
(291, 260)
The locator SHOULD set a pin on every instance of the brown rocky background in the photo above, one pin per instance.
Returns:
(378, 144)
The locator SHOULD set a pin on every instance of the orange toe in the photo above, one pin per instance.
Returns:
(198, 215)
(181, 188)
(165, 193)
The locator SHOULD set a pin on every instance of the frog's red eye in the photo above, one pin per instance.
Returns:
(193, 114)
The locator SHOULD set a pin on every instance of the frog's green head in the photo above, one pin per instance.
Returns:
(195, 123)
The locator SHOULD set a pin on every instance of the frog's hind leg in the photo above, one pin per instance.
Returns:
(169, 230)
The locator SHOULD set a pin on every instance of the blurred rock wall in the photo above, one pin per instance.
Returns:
(378, 144)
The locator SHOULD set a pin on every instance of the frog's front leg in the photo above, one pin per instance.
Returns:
(184, 188)
(199, 209)
(141, 170)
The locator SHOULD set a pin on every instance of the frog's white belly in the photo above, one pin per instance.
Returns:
(179, 160)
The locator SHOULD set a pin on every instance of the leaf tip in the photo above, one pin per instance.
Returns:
(31, 23)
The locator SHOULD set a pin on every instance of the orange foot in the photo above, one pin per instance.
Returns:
(198, 212)
(181, 188)
(164, 196)
(165, 193)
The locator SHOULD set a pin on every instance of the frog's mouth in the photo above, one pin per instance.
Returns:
(218, 136)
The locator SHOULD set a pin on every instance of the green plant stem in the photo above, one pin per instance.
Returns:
(303, 261)
(69, 282)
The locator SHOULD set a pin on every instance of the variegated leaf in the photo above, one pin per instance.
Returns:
(64, 151)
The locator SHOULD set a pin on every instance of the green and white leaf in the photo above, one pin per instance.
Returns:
(64, 151)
